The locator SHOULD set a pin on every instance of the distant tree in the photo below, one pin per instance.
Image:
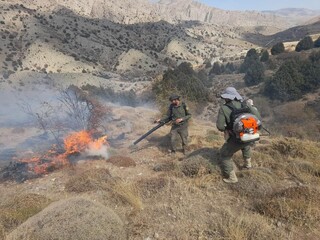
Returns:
(287, 82)
(182, 80)
(207, 63)
(253, 68)
(264, 56)
(251, 57)
(310, 69)
(304, 44)
(216, 68)
(317, 43)
(252, 53)
(277, 48)
(254, 74)
(315, 56)
(230, 68)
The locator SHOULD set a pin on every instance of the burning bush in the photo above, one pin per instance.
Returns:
(75, 144)
(82, 142)
(77, 111)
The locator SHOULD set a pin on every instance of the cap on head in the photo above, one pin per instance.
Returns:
(231, 93)
(174, 97)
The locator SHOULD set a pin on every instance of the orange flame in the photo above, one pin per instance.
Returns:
(74, 143)
(77, 142)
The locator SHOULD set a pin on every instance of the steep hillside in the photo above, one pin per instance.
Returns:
(127, 12)
(296, 16)
(64, 42)
(291, 34)
(142, 192)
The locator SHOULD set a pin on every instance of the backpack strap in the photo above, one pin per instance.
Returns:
(183, 105)
(236, 111)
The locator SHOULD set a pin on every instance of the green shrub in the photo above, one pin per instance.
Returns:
(304, 44)
(277, 48)
(264, 56)
(184, 81)
(317, 43)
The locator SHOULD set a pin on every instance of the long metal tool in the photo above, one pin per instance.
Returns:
(151, 131)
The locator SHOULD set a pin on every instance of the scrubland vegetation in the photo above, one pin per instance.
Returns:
(143, 193)
(278, 199)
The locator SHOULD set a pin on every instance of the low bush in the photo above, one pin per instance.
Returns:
(297, 205)
(18, 209)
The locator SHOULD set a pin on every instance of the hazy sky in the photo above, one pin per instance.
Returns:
(262, 4)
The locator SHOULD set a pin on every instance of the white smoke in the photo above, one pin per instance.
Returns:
(93, 151)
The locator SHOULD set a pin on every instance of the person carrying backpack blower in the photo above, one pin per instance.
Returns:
(240, 122)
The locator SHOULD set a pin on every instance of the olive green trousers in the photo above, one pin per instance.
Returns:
(179, 135)
(229, 148)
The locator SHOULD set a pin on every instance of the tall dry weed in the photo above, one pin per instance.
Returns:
(128, 193)
(115, 189)
(2, 232)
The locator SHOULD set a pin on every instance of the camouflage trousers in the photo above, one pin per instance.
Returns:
(229, 148)
(179, 134)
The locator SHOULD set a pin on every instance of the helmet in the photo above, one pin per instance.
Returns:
(174, 97)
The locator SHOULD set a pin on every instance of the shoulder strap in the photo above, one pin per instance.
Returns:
(182, 104)
(184, 107)
(170, 108)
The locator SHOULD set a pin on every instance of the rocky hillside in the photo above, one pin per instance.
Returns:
(61, 41)
(127, 12)
(100, 37)
(296, 16)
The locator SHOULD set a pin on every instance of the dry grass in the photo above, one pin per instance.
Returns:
(255, 183)
(213, 136)
(297, 205)
(151, 186)
(90, 180)
(18, 209)
(128, 193)
(243, 226)
(194, 208)
(114, 189)
(122, 161)
(196, 166)
(187, 199)
(75, 218)
(2, 232)
(209, 181)
(290, 156)
(166, 166)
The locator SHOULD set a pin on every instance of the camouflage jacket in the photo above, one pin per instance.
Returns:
(175, 112)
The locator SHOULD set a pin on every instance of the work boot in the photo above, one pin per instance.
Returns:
(232, 178)
(247, 163)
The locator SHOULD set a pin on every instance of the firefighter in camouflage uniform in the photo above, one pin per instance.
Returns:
(231, 145)
(179, 113)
